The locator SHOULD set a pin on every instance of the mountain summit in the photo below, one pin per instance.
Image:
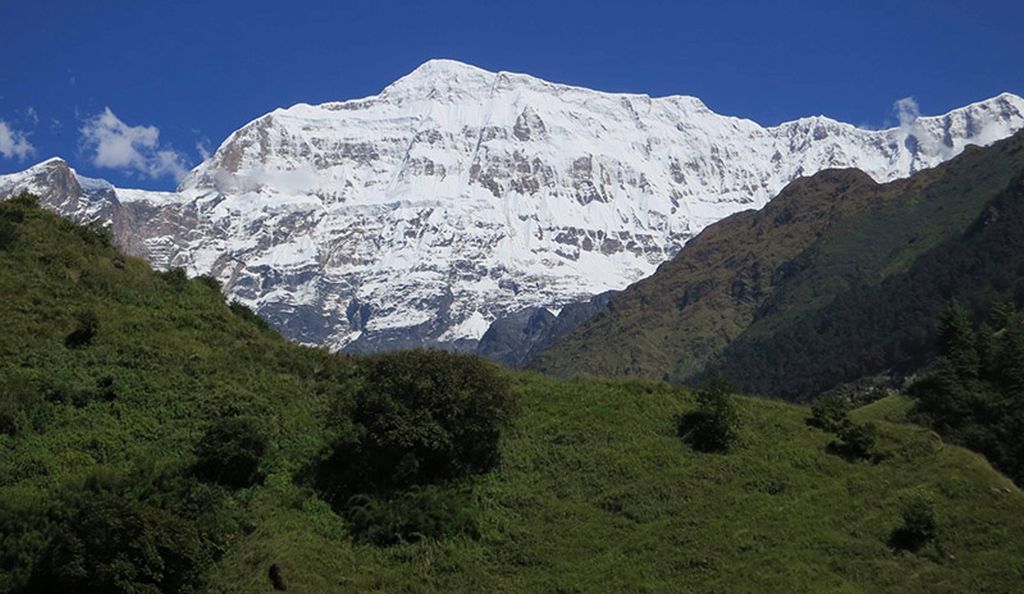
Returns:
(458, 196)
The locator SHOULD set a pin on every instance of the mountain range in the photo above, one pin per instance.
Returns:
(458, 197)
(838, 278)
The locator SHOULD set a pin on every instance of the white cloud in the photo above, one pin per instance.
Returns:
(14, 144)
(907, 110)
(30, 113)
(203, 148)
(915, 136)
(135, 149)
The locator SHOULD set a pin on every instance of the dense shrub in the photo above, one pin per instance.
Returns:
(114, 544)
(714, 426)
(12, 212)
(176, 278)
(856, 440)
(919, 524)
(96, 233)
(409, 516)
(230, 453)
(86, 326)
(26, 524)
(209, 282)
(149, 532)
(13, 418)
(247, 314)
(419, 421)
(829, 413)
(421, 417)
(78, 391)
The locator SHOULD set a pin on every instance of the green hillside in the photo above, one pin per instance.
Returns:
(111, 375)
(751, 277)
(890, 326)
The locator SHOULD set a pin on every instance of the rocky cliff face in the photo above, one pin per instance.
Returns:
(458, 196)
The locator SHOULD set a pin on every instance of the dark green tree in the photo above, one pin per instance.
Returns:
(1009, 374)
(830, 413)
(919, 523)
(983, 411)
(115, 545)
(958, 341)
(230, 453)
(714, 426)
(857, 440)
(420, 417)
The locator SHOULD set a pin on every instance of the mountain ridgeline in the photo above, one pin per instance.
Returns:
(457, 197)
(836, 279)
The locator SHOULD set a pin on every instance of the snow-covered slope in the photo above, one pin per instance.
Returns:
(457, 196)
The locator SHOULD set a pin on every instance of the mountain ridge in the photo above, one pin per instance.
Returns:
(458, 196)
(758, 275)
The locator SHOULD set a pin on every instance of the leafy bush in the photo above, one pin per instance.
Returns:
(919, 524)
(421, 417)
(12, 212)
(410, 516)
(419, 420)
(829, 413)
(24, 201)
(176, 278)
(13, 418)
(230, 453)
(26, 522)
(714, 426)
(96, 233)
(113, 544)
(210, 282)
(86, 327)
(243, 311)
(857, 441)
(152, 531)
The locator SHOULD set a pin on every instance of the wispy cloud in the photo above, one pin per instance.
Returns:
(14, 144)
(203, 148)
(907, 110)
(915, 136)
(132, 149)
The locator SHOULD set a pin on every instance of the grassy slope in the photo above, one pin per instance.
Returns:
(595, 493)
(821, 236)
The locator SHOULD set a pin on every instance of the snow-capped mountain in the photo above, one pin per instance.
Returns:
(458, 196)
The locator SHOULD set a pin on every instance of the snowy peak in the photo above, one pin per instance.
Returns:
(458, 196)
(56, 185)
(439, 75)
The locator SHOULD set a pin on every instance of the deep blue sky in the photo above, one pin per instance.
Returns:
(199, 70)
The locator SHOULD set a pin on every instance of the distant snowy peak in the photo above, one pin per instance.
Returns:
(458, 196)
(59, 187)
